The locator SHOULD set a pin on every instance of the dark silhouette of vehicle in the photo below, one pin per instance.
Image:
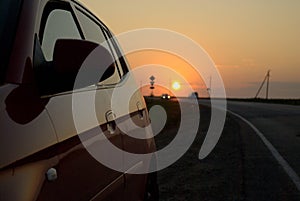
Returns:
(43, 45)
(165, 96)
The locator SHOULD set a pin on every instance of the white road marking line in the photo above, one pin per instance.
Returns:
(288, 169)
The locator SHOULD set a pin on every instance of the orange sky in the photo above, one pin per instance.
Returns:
(182, 70)
(244, 38)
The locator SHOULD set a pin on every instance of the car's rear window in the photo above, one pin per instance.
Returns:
(9, 12)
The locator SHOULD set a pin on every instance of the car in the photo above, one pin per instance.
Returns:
(165, 96)
(43, 155)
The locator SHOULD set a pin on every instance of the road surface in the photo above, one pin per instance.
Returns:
(256, 158)
(271, 146)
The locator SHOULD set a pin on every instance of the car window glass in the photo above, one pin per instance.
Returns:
(8, 23)
(125, 64)
(115, 55)
(93, 32)
(60, 24)
(122, 62)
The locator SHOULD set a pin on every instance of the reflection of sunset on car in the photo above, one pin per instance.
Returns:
(48, 145)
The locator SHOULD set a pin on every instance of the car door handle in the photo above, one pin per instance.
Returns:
(140, 110)
(111, 127)
(111, 124)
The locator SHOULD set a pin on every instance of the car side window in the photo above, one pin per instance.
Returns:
(60, 24)
(93, 32)
(118, 53)
(115, 54)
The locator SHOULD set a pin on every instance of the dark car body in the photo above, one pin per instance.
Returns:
(165, 96)
(42, 156)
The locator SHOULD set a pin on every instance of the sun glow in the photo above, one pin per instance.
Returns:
(176, 86)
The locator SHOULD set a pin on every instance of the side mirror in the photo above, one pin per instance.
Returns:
(68, 57)
(70, 54)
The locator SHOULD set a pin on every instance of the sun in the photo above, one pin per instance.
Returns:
(176, 86)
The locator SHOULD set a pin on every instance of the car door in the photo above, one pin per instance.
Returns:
(133, 118)
(126, 111)
(79, 175)
(137, 122)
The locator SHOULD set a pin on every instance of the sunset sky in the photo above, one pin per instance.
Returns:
(244, 38)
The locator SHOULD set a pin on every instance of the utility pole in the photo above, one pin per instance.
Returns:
(267, 78)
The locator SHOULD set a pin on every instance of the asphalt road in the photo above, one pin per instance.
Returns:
(270, 135)
(256, 158)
